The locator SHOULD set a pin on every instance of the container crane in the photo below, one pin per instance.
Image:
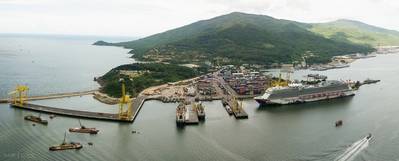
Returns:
(20, 95)
(125, 111)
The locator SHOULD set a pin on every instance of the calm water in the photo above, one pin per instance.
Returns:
(54, 64)
(294, 132)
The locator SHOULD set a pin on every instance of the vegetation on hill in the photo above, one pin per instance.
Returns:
(356, 32)
(150, 74)
(241, 38)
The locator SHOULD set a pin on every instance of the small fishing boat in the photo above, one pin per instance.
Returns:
(83, 129)
(338, 123)
(66, 146)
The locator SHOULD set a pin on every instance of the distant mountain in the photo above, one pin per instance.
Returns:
(357, 32)
(241, 38)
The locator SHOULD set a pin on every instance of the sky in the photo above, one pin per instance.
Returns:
(140, 18)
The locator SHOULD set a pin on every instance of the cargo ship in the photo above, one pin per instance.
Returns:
(301, 93)
(181, 114)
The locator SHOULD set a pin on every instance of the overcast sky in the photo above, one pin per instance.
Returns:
(140, 18)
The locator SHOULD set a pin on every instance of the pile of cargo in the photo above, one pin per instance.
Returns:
(245, 82)
(205, 87)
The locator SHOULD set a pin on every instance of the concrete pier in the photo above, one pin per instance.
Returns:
(54, 96)
(238, 113)
(241, 114)
(71, 113)
(191, 116)
(135, 107)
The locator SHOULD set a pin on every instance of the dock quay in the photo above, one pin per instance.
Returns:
(191, 116)
(135, 107)
(229, 101)
(54, 96)
(241, 114)
(186, 115)
(71, 113)
(137, 104)
(226, 107)
(236, 109)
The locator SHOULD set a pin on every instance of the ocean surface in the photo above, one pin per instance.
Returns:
(281, 133)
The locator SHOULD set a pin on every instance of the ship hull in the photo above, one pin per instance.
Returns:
(298, 100)
(85, 130)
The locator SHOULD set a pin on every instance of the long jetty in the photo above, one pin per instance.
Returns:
(238, 114)
(54, 96)
(69, 112)
(135, 107)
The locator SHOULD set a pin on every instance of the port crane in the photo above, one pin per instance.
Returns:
(279, 82)
(237, 106)
(20, 95)
(125, 111)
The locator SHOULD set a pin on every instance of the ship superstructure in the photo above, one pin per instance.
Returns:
(300, 93)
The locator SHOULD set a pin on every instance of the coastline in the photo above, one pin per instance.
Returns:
(173, 89)
(344, 61)
(153, 92)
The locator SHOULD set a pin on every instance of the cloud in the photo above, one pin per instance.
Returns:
(142, 18)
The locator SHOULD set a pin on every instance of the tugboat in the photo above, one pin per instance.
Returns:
(65, 146)
(338, 123)
(83, 129)
(37, 119)
(180, 114)
(200, 110)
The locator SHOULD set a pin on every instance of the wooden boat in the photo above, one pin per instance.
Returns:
(66, 146)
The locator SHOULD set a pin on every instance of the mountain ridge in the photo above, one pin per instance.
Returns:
(241, 37)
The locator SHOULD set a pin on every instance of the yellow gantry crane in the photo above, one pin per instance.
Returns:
(280, 82)
(20, 95)
(125, 109)
(237, 106)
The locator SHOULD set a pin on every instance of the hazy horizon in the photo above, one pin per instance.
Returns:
(143, 18)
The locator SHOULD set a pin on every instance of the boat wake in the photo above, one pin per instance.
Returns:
(352, 151)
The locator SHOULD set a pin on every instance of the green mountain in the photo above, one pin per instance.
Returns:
(357, 32)
(241, 38)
